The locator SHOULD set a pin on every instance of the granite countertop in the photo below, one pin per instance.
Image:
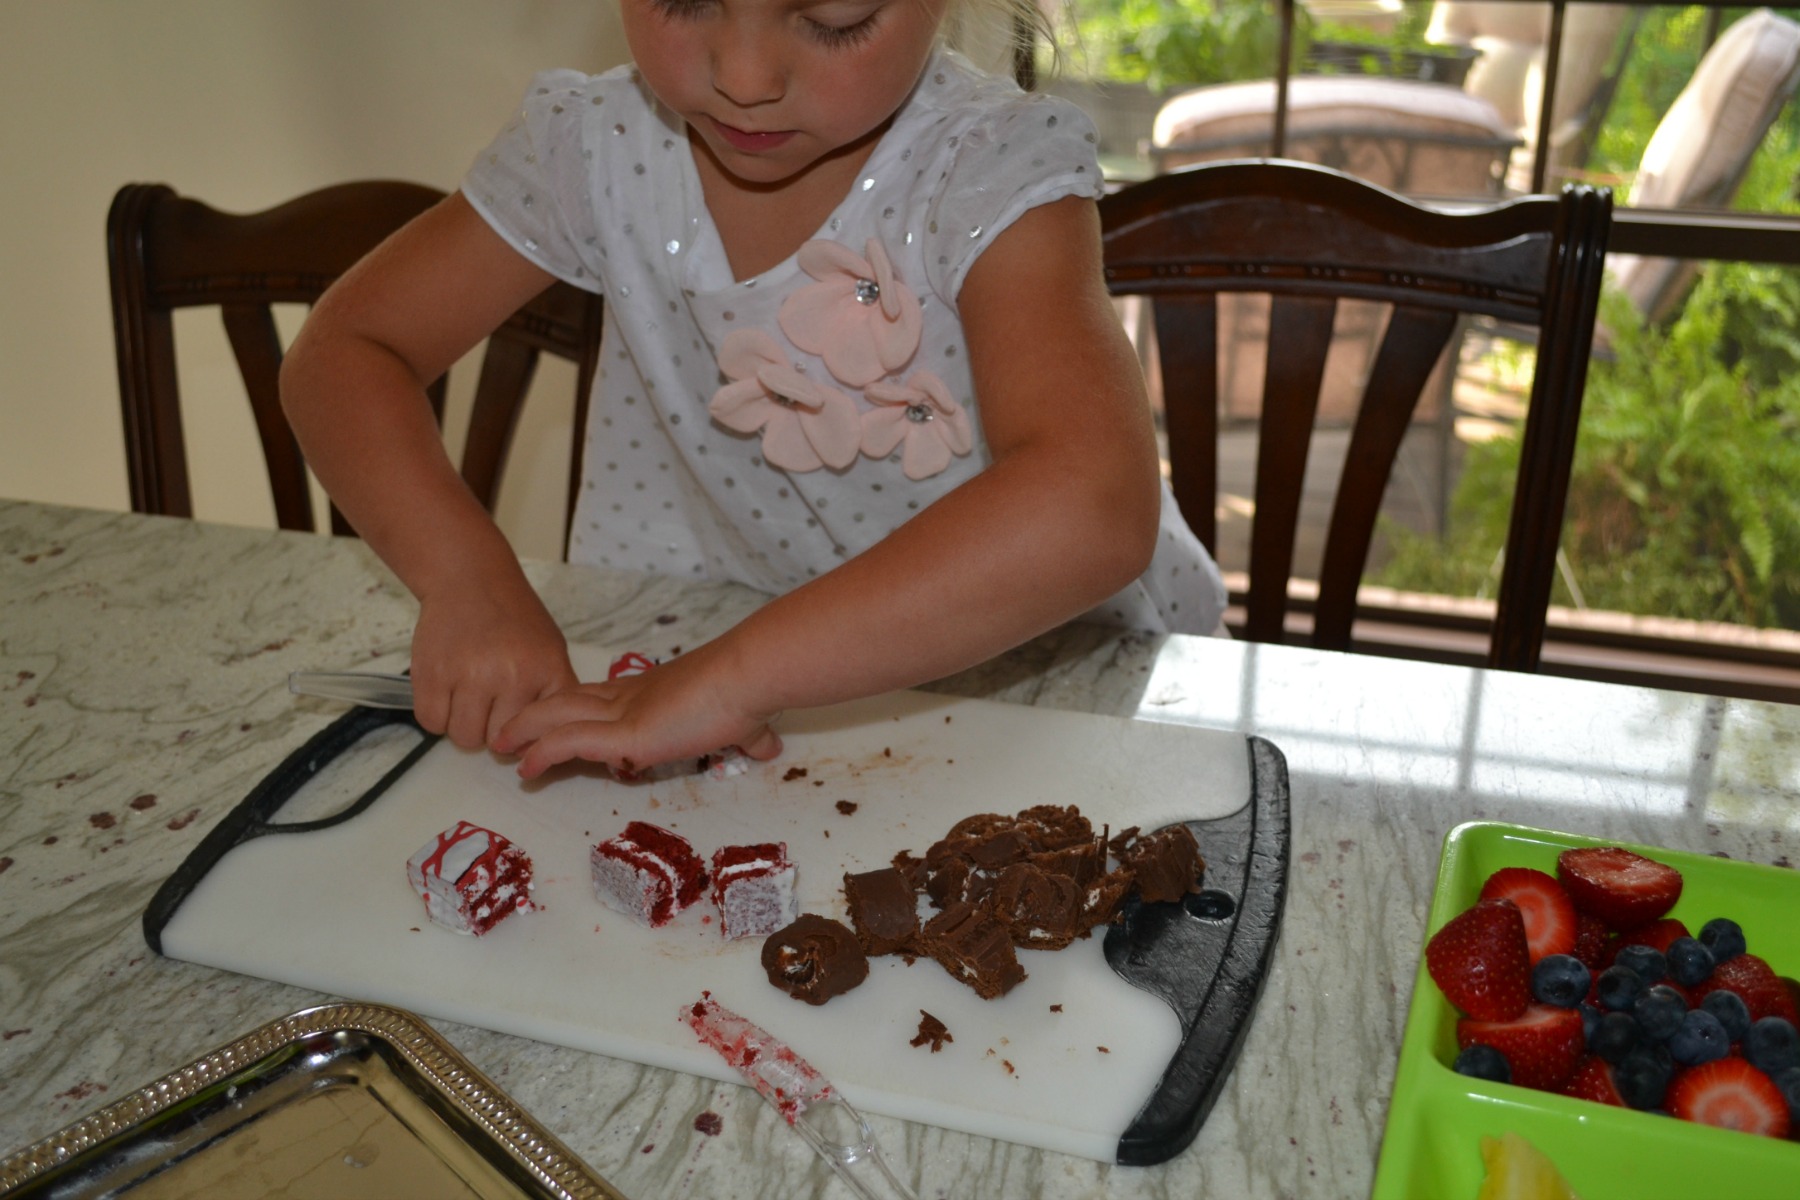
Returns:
(142, 693)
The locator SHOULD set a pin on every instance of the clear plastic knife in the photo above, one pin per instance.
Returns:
(805, 1099)
(369, 688)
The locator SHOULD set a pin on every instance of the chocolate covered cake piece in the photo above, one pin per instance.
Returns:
(883, 910)
(814, 959)
(972, 944)
(1041, 911)
(1166, 865)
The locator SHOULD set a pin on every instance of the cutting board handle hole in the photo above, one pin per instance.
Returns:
(1210, 905)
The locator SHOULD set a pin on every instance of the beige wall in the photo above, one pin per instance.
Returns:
(243, 103)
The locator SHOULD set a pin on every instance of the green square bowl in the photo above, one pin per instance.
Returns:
(1432, 1145)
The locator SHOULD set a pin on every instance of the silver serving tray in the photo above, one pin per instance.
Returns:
(339, 1101)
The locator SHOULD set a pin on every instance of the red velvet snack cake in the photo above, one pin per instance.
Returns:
(648, 873)
(471, 878)
(754, 889)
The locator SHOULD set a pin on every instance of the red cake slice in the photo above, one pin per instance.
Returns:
(648, 873)
(471, 878)
(754, 889)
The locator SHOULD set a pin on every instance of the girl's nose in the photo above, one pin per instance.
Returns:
(747, 68)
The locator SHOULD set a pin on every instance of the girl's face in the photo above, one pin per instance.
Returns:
(774, 86)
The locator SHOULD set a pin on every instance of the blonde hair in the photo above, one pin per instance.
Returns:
(1003, 36)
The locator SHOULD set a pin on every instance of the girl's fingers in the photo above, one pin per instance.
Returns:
(541, 716)
(579, 739)
(468, 723)
(763, 745)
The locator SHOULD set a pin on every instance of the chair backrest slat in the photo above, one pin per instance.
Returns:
(1299, 339)
(167, 252)
(1187, 330)
(1309, 237)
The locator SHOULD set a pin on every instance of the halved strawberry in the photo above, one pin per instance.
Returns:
(1756, 984)
(1550, 923)
(1623, 889)
(1542, 1045)
(1732, 1094)
(1657, 934)
(1594, 943)
(1481, 962)
(1593, 1080)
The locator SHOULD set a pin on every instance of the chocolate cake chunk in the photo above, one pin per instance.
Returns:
(1000, 849)
(814, 959)
(1101, 904)
(1040, 911)
(1054, 828)
(931, 1030)
(974, 947)
(883, 910)
(1166, 863)
(1083, 863)
(979, 826)
(947, 877)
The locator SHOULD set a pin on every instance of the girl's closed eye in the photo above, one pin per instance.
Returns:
(839, 25)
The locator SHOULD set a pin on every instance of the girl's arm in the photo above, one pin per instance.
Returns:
(1064, 517)
(353, 387)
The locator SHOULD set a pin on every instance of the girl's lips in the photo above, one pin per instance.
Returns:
(750, 142)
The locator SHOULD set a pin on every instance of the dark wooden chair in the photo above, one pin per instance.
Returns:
(1308, 236)
(167, 251)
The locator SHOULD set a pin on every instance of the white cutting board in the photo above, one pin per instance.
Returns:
(332, 910)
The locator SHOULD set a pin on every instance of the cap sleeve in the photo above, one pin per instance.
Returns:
(532, 182)
(1027, 152)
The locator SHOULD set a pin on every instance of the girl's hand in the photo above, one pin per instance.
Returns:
(478, 659)
(682, 709)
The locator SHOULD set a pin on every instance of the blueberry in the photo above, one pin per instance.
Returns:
(1643, 1076)
(1772, 1045)
(1617, 1035)
(1789, 1083)
(1690, 962)
(1620, 987)
(1700, 1039)
(1483, 1062)
(1646, 962)
(1590, 1020)
(1731, 1010)
(1561, 980)
(1724, 937)
(1660, 1011)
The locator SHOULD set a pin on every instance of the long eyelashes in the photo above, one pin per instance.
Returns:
(836, 37)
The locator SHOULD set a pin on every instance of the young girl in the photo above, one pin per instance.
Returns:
(858, 353)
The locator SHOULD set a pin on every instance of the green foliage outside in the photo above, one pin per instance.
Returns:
(1170, 44)
(1685, 499)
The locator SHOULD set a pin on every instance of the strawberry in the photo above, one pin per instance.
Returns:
(1756, 984)
(1550, 923)
(1623, 889)
(1542, 1045)
(1593, 1080)
(1481, 962)
(1594, 944)
(1732, 1094)
(1657, 934)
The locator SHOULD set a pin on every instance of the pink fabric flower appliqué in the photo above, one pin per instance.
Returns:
(805, 425)
(921, 413)
(859, 317)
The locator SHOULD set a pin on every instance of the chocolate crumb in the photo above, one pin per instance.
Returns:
(931, 1030)
(887, 752)
(793, 773)
(710, 1123)
(846, 807)
(668, 619)
(184, 820)
(5, 863)
(145, 801)
(52, 840)
(102, 820)
(1103, 1049)
(415, 929)
(1056, 1008)
(648, 1147)
(1007, 1063)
